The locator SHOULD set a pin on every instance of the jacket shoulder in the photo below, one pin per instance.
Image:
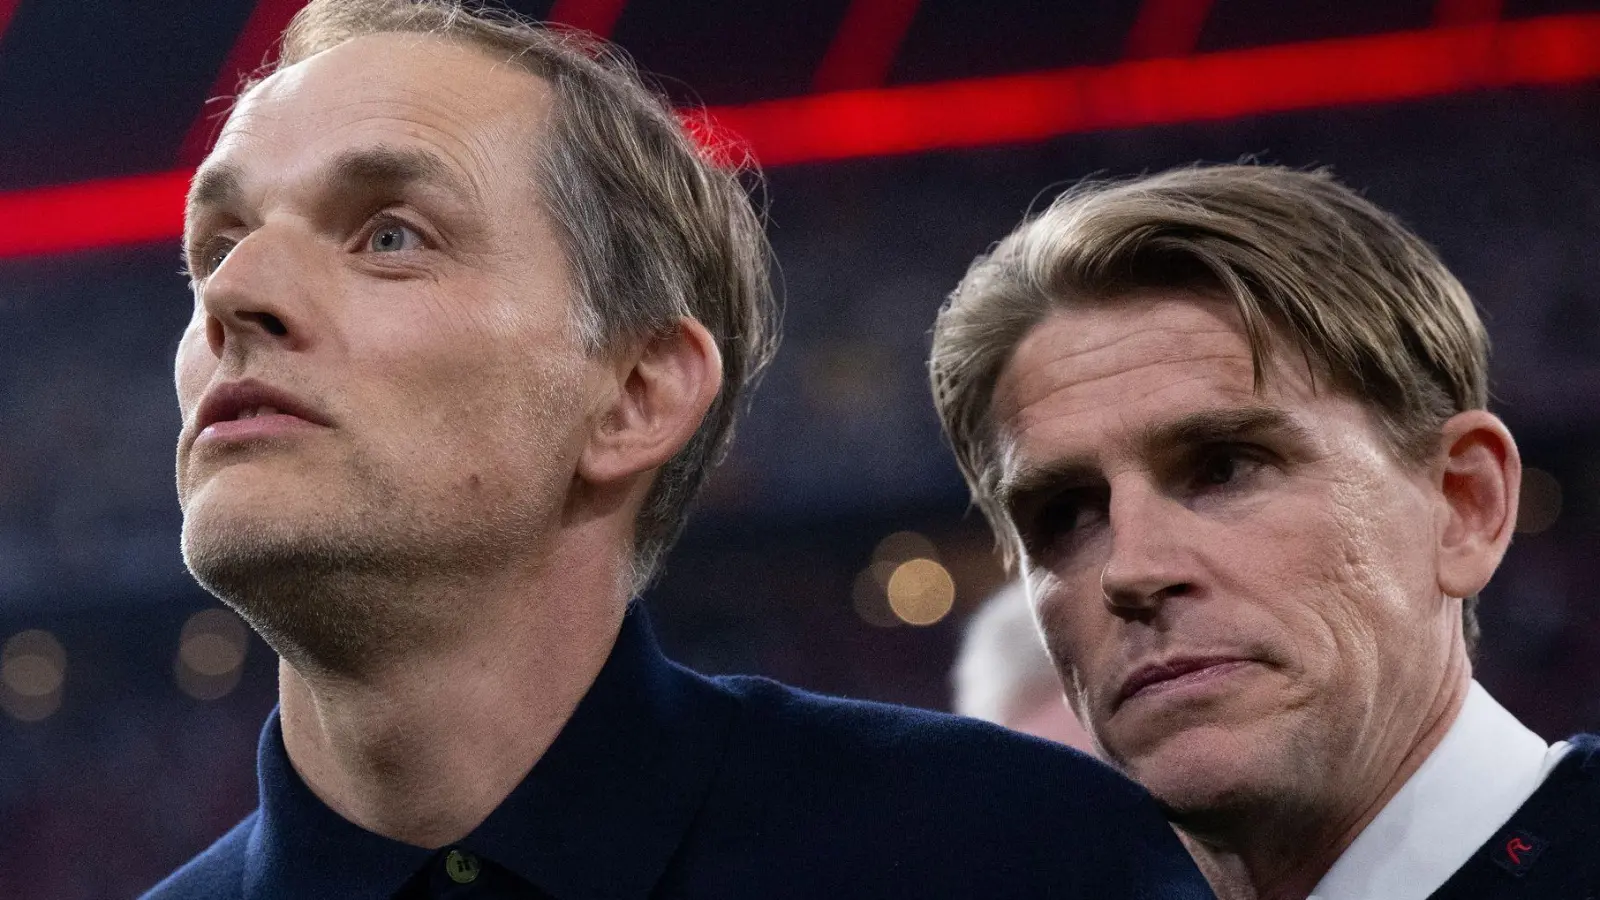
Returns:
(911, 802)
(216, 874)
(785, 724)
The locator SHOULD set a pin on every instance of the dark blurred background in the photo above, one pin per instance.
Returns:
(131, 703)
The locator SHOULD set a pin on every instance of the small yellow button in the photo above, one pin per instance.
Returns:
(462, 867)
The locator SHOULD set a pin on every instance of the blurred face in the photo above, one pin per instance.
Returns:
(1240, 588)
(381, 377)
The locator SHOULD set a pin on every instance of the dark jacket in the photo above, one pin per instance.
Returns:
(1550, 850)
(670, 784)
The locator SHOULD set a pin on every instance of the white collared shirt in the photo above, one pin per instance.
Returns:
(1485, 768)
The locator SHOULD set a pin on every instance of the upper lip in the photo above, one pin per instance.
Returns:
(226, 401)
(1165, 670)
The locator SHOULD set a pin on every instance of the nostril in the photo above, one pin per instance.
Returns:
(273, 325)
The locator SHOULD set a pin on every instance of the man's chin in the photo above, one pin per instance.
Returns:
(307, 593)
(1201, 770)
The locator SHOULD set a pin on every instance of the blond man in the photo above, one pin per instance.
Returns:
(1231, 422)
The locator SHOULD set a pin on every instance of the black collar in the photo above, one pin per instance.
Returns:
(599, 816)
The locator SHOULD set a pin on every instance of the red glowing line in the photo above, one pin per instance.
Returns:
(8, 8)
(598, 17)
(865, 46)
(979, 112)
(1167, 28)
(1009, 109)
(1466, 12)
(258, 38)
(93, 214)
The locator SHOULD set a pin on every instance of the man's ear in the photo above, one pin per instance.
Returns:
(1480, 483)
(663, 390)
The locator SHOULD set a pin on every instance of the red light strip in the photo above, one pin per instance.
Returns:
(1009, 109)
(8, 8)
(93, 214)
(865, 46)
(258, 37)
(978, 112)
(598, 17)
(1167, 28)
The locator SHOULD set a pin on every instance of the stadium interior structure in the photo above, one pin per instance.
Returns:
(834, 549)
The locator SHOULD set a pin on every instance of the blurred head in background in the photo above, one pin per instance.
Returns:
(470, 308)
(1004, 675)
(1231, 422)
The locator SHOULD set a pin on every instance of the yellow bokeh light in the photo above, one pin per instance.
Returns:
(902, 546)
(921, 592)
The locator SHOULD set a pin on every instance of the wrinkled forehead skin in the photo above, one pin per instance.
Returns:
(482, 118)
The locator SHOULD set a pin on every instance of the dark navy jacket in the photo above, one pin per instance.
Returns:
(1550, 850)
(670, 784)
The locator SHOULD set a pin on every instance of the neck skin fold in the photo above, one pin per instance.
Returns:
(422, 746)
(1281, 854)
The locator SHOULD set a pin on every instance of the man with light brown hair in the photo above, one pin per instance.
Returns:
(1231, 422)
(473, 318)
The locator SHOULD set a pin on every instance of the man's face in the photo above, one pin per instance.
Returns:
(369, 247)
(1240, 588)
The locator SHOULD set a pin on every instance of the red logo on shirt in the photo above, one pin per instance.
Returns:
(1515, 848)
(1519, 850)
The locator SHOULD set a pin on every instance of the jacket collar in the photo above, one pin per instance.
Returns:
(600, 814)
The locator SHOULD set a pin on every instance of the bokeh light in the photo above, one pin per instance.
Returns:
(871, 601)
(33, 670)
(211, 653)
(902, 546)
(921, 592)
(1540, 506)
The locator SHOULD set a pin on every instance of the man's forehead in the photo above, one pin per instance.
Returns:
(409, 85)
(1105, 376)
(1111, 352)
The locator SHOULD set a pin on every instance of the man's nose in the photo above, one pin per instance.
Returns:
(257, 295)
(1147, 560)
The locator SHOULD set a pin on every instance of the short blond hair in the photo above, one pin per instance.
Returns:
(1365, 301)
(654, 229)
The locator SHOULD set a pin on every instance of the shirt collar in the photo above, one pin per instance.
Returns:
(1485, 768)
(600, 814)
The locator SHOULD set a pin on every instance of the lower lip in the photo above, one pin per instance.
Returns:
(236, 431)
(1191, 682)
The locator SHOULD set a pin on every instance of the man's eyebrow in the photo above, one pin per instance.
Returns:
(369, 169)
(214, 185)
(1025, 481)
(1212, 426)
(392, 168)
(1209, 426)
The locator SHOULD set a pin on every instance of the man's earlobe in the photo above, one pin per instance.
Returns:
(665, 386)
(1480, 483)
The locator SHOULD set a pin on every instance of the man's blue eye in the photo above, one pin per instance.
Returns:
(392, 238)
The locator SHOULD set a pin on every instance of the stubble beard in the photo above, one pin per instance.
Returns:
(359, 582)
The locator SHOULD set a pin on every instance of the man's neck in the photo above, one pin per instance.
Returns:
(1281, 854)
(424, 746)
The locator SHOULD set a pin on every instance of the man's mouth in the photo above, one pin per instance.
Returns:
(250, 410)
(1177, 673)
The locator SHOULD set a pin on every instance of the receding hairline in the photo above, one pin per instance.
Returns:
(221, 183)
